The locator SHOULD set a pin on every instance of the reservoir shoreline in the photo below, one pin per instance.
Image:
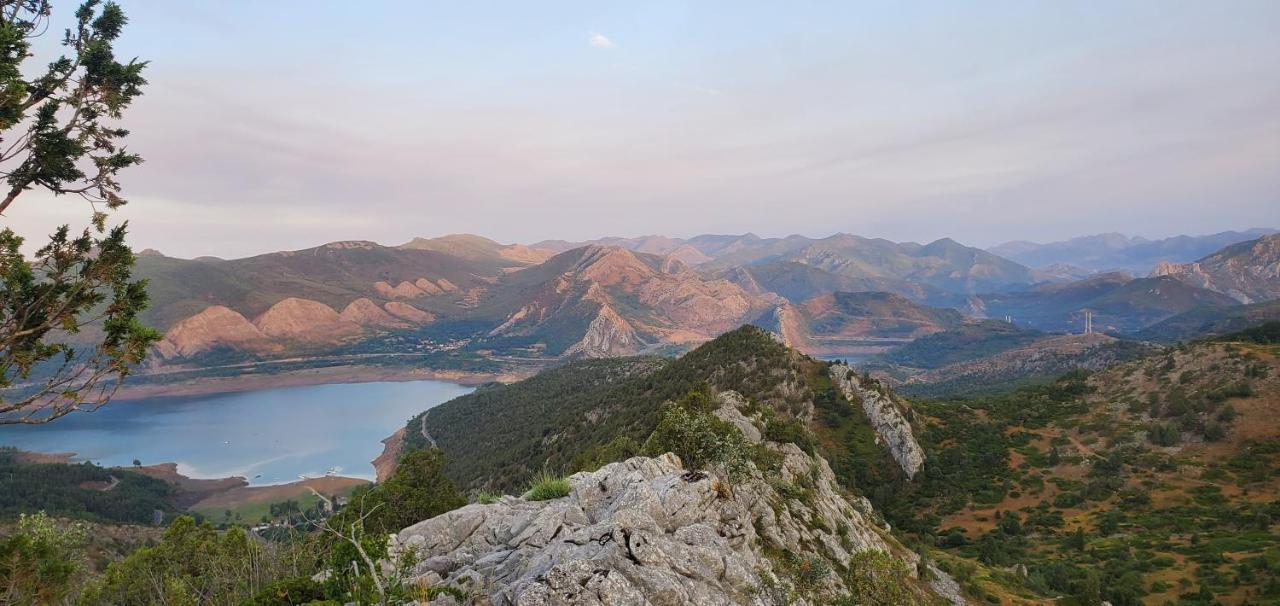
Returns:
(257, 381)
(309, 424)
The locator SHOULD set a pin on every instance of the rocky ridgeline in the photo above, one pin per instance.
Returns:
(890, 424)
(1248, 272)
(648, 531)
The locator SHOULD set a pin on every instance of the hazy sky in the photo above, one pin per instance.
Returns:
(285, 124)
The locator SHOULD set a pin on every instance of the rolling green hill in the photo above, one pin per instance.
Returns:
(962, 343)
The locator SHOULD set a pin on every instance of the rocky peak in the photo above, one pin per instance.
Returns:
(1248, 272)
(215, 326)
(608, 334)
(611, 265)
(407, 290)
(649, 531)
(1167, 268)
(304, 319)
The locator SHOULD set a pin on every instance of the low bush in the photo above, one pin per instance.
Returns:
(701, 440)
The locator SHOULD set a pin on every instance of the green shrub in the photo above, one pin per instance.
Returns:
(1163, 435)
(789, 430)
(193, 564)
(37, 562)
(546, 486)
(875, 578)
(701, 440)
(620, 448)
(417, 491)
(1067, 499)
(293, 591)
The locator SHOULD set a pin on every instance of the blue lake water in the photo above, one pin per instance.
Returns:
(851, 358)
(268, 436)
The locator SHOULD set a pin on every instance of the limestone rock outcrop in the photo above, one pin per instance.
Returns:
(649, 531)
(607, 334)
(886, 417)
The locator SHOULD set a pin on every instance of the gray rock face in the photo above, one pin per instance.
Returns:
(945, 586)
(647, 531)
(890, 424)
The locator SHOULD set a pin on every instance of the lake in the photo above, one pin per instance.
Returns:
(851, 358)
(268, 437)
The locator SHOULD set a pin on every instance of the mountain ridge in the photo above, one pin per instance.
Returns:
(1115, 251)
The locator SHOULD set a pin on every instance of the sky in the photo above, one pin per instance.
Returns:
(286, 124)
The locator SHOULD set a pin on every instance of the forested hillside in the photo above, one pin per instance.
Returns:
(565, 418)
(81, 490)
(589, 413)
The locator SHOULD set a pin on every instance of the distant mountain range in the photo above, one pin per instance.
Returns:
(1108, 252)
(892, 266)
(1118, 302)
(456, 296)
